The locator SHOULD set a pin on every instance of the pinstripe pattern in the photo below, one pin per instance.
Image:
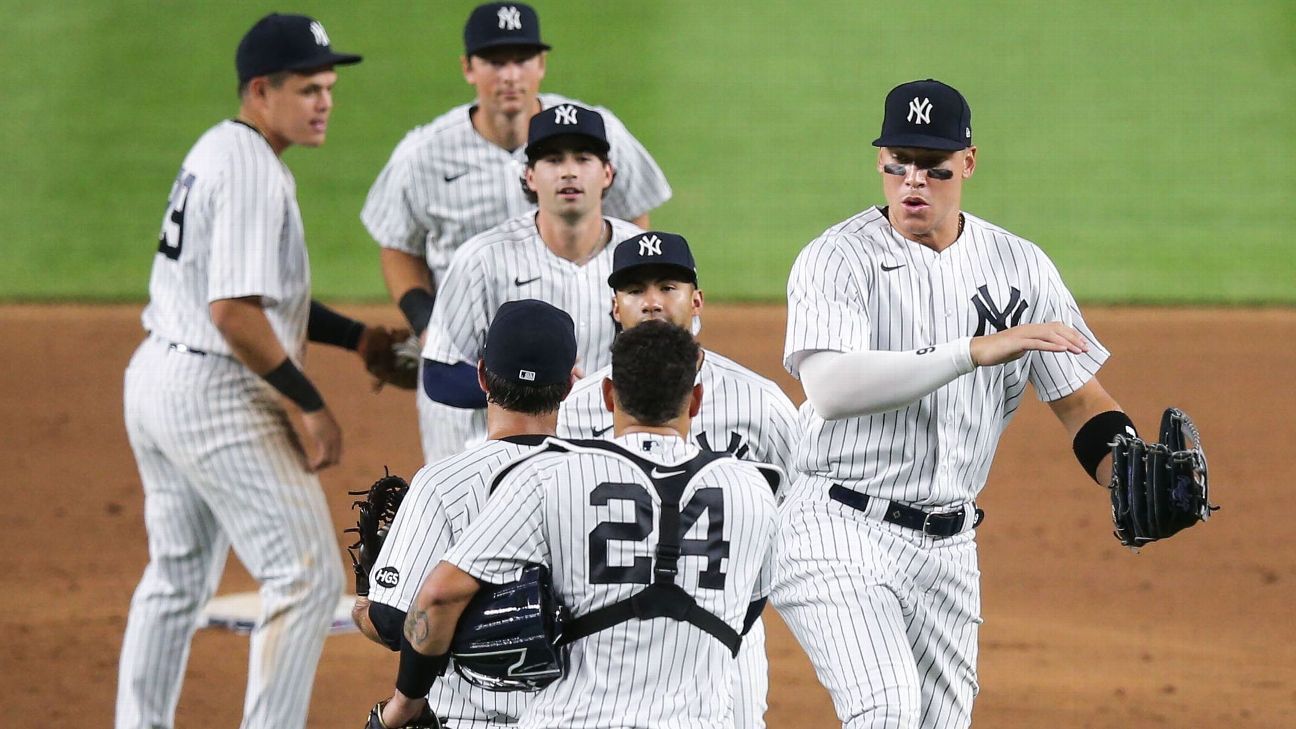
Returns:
(485, 274)
(215, 450)
(936, 452)
(889, 617)
(413, 207)
(742, 413)
(445, 183)
(443, 498)
(242, 236)
(217, 462)
(643, 673)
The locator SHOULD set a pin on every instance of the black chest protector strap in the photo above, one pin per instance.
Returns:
(663, 598)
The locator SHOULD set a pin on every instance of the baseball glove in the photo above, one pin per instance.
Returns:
(406, 354)
(426, 720)
(377, 511)
(1159, 489)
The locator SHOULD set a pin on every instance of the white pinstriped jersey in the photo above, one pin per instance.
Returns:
(446, 183)
(444, 497)
(742, 413)
(862, 286)
(511, 262)
(582, 513)
(232, 228)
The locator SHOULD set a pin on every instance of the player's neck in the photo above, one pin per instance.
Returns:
(507, 131)
(623, 424)
(252, 118)
(577, 240)
(938, 239)
(501, 423)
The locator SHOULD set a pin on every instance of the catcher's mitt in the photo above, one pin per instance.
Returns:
(377, 511)
(426, 720)
(1159, 489)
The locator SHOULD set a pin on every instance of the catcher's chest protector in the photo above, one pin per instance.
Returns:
(663, 598)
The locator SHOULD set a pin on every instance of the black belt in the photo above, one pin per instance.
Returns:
(932, 524)
(178, 347)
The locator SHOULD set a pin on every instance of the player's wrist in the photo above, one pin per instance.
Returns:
(292, 384)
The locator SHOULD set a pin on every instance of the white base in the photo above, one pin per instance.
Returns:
(238, 612)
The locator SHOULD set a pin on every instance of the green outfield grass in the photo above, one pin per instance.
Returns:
(1148, 146)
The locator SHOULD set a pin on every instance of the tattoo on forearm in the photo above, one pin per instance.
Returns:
(416, 627)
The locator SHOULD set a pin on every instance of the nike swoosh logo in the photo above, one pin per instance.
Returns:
(891, 268)
(452, 178)
(598, 432)
(520, 282)
(663, 474)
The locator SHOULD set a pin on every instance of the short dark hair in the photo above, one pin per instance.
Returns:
(275, 80)
(520, 397)
(654, 368)
(575, 145)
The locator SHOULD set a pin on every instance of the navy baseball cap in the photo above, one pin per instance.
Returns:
(562, 121)
(286, 43)
(531, 342)
(502, 24)
(926, 114)
(653, 248)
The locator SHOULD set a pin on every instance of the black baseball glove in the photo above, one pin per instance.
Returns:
(426, 720)
(1159, 489)
(377, 511)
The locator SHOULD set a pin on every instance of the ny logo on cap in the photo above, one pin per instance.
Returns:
(919, 111)
(509, 18)
(527, 375)
(565, 114)
(650, 246)
(317, 30)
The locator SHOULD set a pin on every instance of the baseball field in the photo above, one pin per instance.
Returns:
(1146, 147)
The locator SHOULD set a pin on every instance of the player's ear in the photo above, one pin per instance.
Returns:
(969, 162)
(698, 301)
(609, 175)
(880, 160)
(616, 309)
(608, 402)
(695, 400)
(540, 62)
(465, 65)
(481, 376)
(528, 178)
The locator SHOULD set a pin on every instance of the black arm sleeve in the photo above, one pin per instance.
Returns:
(416, 304)
(330, 327)
(389, 622)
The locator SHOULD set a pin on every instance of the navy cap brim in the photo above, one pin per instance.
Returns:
(919, 141)
(620, 276)
(325, 59)
(563, 141)
(505, 42)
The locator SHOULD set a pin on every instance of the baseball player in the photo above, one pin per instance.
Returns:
(525, 371)
(914, 329)
(560, 253)
(228, 318)
(458, 176)
(654, 278)
(658, 549)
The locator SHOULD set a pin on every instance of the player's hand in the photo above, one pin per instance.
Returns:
(324, 439)
(401, 709)
(1012, 343)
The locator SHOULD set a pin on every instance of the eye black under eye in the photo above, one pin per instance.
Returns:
(940, 173)
(893, 168)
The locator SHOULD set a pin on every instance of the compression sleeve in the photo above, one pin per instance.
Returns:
(851, 384)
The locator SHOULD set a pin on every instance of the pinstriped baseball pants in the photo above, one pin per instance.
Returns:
(219, 466)
(888, 617)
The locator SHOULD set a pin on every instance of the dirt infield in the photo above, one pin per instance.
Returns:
(1196, 632)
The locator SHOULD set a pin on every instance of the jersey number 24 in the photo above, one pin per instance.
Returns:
(713, 546)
